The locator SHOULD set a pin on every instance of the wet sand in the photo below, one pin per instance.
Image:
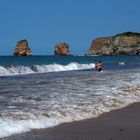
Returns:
(122, 124)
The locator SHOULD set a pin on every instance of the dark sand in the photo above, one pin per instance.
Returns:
(122, 124)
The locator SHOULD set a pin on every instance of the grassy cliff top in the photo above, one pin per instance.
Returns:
(129, 34)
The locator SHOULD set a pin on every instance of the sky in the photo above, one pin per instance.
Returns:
(44, 23)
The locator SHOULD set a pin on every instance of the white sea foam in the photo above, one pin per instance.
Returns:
(9, 127)
(121, 63)
(43, 101)
(43, 68)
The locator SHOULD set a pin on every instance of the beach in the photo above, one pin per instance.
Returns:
(70, 70)
(72, 101)
(122, 124)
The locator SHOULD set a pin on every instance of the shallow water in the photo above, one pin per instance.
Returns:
(63, 89)
(47, 99)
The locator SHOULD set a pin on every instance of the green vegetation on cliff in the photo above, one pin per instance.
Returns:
(128, 34)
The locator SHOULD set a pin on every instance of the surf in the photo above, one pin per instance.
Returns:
(18, 70)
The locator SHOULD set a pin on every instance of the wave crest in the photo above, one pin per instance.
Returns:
(13, 70)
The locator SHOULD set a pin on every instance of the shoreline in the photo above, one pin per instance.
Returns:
(121, 124)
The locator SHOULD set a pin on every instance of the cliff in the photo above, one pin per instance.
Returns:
(126, 43)
(22, 49)
(62, 49)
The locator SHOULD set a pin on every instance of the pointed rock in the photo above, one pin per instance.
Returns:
(62, 49)
(22, 49)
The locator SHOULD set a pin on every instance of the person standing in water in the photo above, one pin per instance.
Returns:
(99, 66)
(96, 64)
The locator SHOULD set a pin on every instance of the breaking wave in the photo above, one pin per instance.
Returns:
(13, 70)
(37, 102)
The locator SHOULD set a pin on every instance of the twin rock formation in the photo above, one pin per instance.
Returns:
(22, 49)
(122, 44)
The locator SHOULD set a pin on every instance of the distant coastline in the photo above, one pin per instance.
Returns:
(127, 43)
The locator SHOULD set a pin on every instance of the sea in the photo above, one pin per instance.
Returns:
(39, 92)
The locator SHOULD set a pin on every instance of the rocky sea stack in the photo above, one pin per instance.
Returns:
(22, 49)
(62, 49)
(127, 43)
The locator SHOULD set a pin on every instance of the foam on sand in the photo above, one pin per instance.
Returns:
(10, 127)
